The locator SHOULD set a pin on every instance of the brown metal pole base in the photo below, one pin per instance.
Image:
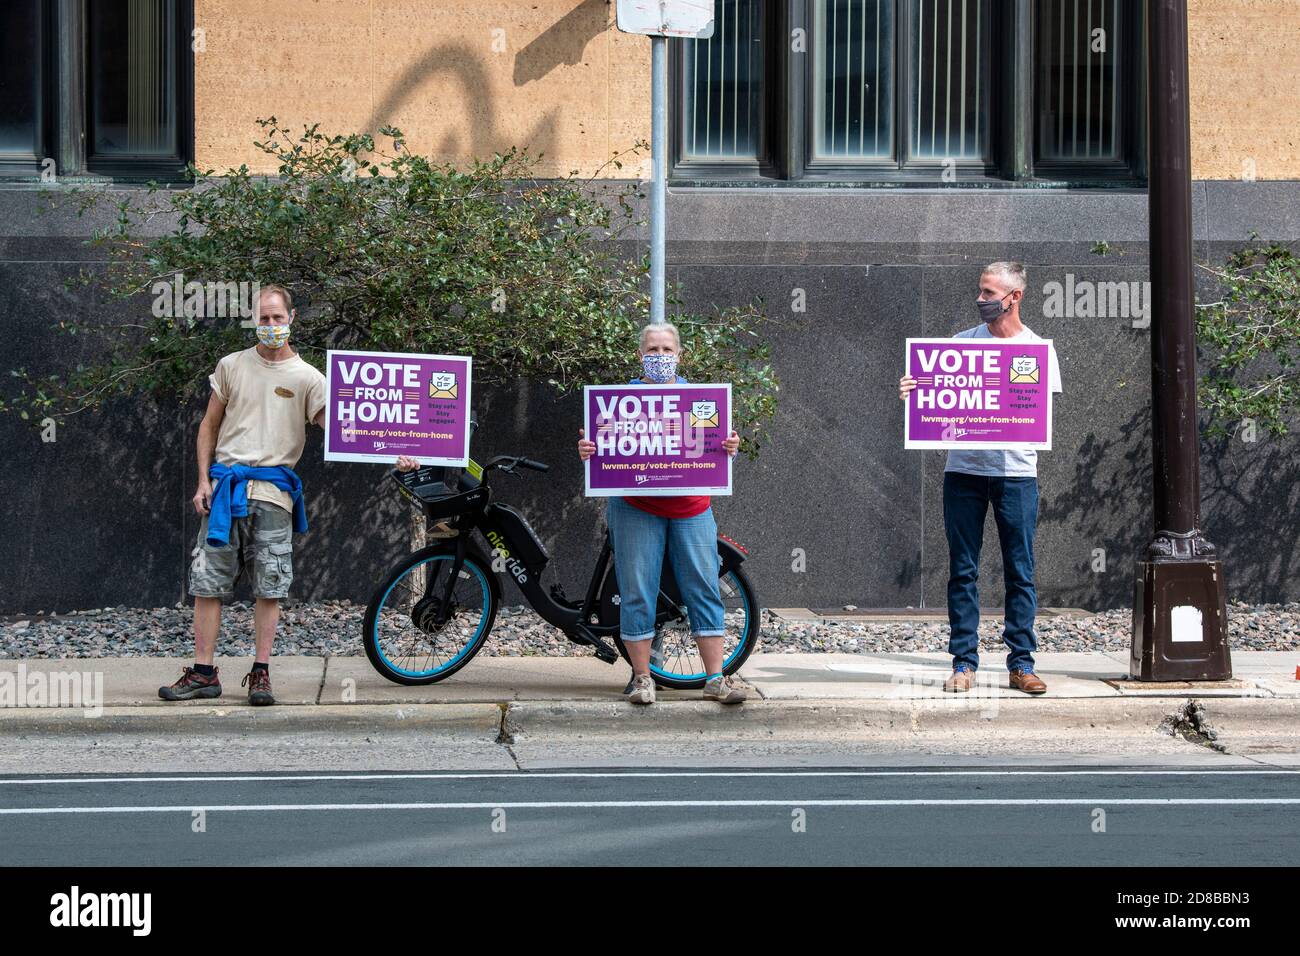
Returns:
(1180, 621)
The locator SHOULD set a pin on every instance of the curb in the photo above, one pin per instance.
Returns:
(476, 720)
(611, 721)
(866, 720)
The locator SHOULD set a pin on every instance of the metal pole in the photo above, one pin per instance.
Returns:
(1175, 450)
(658, 173)
(1179, 608)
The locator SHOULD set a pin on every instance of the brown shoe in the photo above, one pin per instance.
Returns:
(259, 687)
(962, 680)
(193, 685)
(1028, 681)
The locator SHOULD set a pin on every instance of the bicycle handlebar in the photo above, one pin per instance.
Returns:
(508, 463)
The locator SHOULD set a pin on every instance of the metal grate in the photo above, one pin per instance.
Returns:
(950, 78)
(853, 86)
(723, 86)
(1078, 54)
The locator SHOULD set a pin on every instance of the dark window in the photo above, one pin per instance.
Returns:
(102, 86)
(722, 88)
(853, 80)
(1085, 82)
(927, 91)
(132, 51)
(22, 71)
(950, 49)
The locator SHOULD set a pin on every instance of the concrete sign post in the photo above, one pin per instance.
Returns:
(660, 19)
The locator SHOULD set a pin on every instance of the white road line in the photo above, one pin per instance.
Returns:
(657, 804)
(529, 775)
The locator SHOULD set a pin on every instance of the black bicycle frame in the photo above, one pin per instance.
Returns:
(580, 623)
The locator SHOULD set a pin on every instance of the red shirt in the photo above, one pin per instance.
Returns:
(682, 506)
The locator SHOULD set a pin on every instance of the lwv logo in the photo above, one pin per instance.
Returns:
(102, 909)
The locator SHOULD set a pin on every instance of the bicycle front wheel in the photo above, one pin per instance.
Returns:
(413, 633)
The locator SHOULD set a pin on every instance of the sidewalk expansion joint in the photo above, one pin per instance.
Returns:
(320, 691)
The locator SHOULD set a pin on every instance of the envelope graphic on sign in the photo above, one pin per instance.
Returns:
(704, 414)
(442, 385)
(1024, 369)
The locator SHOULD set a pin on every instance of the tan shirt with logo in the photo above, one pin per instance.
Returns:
(268, 405)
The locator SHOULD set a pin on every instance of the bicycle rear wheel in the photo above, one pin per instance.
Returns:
(674, 657)
(401, 631)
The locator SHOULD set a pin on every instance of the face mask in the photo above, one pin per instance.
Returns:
(660, 369)
(273, 336)
(991, 309)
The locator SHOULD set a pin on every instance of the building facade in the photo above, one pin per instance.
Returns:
(851, 163)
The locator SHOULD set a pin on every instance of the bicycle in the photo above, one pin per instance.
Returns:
(435, 609)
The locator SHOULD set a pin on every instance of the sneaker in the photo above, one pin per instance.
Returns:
(631, 682)
(961, 680)
(725, 690)
(259, 687)
(642, 690)
(193, 685)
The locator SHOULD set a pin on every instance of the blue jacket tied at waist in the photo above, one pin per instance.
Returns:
(230, 497)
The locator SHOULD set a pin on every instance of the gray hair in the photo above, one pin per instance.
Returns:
(1012, 272)
(661, 327)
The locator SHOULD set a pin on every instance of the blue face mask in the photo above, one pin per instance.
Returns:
(660, 369)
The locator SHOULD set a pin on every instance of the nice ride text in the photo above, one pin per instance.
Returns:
(637, 425)
(381, 392)
(958, 379)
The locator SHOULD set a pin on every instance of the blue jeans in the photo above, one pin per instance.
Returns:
(639, 539)
(966, 499)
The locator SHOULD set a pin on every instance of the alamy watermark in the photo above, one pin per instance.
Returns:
(77, 908)
(985, 694)
(40, 688)
(192, 300)
(1083, 299)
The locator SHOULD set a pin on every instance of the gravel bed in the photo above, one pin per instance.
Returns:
(332, 628)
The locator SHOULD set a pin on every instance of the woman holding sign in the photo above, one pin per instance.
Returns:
(642, 527)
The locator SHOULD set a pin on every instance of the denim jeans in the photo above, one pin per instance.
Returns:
(639, 539)
(966, 499)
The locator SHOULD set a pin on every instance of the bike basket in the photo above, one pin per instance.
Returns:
(429, 488)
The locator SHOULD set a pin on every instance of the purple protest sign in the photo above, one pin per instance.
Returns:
(658, 440)
(979, 393)
(384, 404)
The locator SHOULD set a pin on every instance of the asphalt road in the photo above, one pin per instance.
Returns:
(878, 816)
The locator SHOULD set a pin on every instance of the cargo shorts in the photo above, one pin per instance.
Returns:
(261, 544)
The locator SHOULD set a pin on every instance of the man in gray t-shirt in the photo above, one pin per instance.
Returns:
(1007, 480)
(998, 462)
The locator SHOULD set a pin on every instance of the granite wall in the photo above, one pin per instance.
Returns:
(102, 517)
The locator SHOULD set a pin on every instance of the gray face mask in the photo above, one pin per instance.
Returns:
(991, 309)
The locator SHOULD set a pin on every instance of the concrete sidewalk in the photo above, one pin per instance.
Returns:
(511, 712)
(132, 682)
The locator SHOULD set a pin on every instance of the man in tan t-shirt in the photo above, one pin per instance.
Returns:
(262, 399)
